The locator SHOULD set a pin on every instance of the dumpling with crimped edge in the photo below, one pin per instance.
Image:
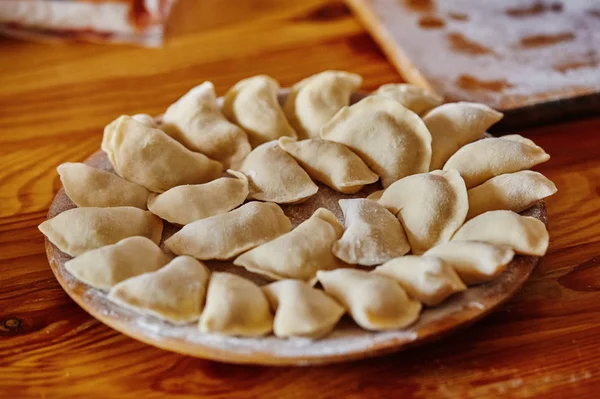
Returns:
(481, 160)
(512, 191)
(373, 234)
(426, 279)
(229, 234)
(188, 203)
(252, 104)
(475, 262)
(145, 119)
(524, 234)
(196, 121)
(174, 292)
(91, 187)
(375, 195)
(235, 306)
(150, 158)
(106, 266)
(519, 139)
(275, 176)
(78, 230)
(300, 310)
(454, 125)
(375, 302)
(331, 163)
(431, 207)
(391, 139)
(299, 253)
(413, 97)
(313, 101)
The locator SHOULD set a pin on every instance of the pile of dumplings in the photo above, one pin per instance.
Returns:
(446, 214)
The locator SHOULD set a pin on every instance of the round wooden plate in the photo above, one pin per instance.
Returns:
(346, 342)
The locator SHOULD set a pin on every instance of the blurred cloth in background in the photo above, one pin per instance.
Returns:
(138, 22)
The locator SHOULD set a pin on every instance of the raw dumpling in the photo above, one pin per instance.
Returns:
(426, 279)
(174, 293)
(375, 302)
(149, 157)
(186, 204)
(330, 163)
(227, 235)
(313, 101)
(512, 191)
(373, 235)
(391, 139)
(299, 253)
(275, 176)
(78, 230)
(104, 267)
(484, 159)
(235, 306)
(475, 262)
(91, 187)
(524, 234)
(196, 121)
(430, 206)
(454, 125)
(145, 119)
(415, 98)
(519, 139)
(252, 104)
(300, 310)
(375, 195)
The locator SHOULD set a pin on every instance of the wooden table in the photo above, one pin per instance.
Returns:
(54, 102)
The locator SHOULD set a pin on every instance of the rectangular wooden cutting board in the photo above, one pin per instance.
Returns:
(538, 61)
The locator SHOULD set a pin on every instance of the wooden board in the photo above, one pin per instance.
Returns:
(536, 60)
(54, 102)
(347, 342)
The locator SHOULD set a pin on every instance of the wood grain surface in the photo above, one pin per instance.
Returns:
(54, 101)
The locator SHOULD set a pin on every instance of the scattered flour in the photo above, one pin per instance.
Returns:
(522, 59)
